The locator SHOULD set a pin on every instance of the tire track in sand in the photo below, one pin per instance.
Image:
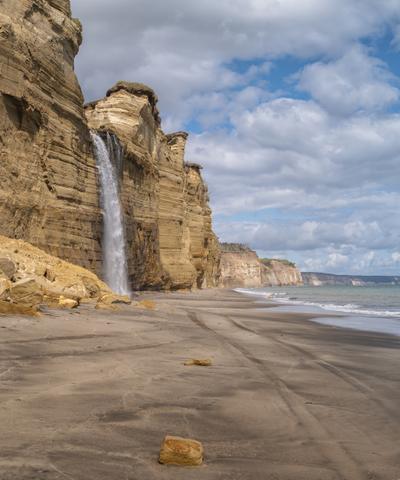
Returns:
(361, 387)
(340, 460)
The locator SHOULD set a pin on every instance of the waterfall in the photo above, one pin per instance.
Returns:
(114, 253)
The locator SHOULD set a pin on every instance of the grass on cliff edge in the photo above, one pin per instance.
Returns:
(268, 262)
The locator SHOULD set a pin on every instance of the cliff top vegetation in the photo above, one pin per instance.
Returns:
(268, 262)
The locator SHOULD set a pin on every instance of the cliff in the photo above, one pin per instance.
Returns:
(165, 201)
(241, 267)
(48, 178)
(279, 272)
(48, 193)
(318, 279)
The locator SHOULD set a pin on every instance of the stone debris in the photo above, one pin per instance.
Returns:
(110, 301)
(7, 267)
(147, 304)
(22, 297)
(113, 298)
(26, 292)
(5, 285)
(105, 306)
(67, 302)
(204, 362)
(181, 451)
(29, 278)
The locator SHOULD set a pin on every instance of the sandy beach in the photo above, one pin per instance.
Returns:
(89, 395)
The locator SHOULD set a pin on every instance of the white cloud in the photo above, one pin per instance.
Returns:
(274, 237)
(181, 48)
(290, 153)
(336, 260)
(355, 82)
(396, 257)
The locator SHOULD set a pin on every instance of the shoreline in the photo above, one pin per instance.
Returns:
(355, 320)
(90, 394)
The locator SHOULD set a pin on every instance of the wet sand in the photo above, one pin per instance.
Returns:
(89, 395)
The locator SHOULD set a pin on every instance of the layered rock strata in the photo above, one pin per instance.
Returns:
(48, 193)
(48, 179)
(204, 251)
(279, 272)
(241, 267)
(165, 201)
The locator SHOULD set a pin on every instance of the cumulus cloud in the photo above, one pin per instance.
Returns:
(355, 82)
(396, 257)
(308, 235)
(182, 47)
(292, 153)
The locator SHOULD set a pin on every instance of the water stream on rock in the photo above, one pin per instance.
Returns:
(108, 155)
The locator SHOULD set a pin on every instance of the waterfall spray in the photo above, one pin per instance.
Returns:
(114, 253)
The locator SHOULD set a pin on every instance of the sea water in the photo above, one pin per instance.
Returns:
(370, 308)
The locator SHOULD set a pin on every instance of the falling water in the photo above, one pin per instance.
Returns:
(114, 255)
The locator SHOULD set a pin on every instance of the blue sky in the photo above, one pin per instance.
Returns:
(293, 110)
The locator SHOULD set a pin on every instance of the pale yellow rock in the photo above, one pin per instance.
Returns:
(204, 247)
(279, 272)
(92, 286)
(201, 362)
(55, 276)
(241, 267)
(5, 285)
(110, 301)
(181, 451)
(51, 298)
(27, 292)
(23, 297)
(48, 280)
(67, 302)
(112, 298)
(7, 308)
(147, 304)
(106, 306)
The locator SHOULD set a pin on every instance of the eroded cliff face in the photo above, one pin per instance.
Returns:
(279, 272)
(48, 192)
(165, 201)
(241, 267)
(131, 118)
(204, 248)
(48, 178)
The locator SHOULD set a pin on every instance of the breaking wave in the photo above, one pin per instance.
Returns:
(283, 298)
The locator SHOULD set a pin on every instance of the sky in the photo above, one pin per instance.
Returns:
(293, 109)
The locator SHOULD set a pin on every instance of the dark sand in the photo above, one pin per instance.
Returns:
(90, 395)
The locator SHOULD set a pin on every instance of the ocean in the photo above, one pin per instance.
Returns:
(369, 308)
